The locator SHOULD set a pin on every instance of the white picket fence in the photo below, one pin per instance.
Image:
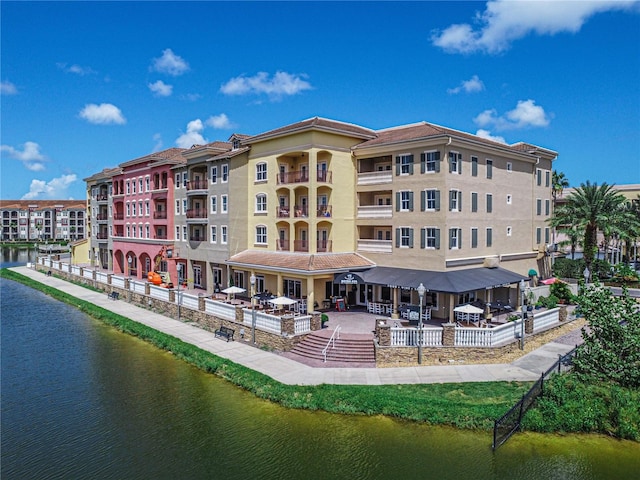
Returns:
(408, 337)
(264, 321)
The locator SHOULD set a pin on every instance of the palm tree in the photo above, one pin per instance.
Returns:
(592, 208)
(558, 183)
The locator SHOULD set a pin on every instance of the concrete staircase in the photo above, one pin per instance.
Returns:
(350, 350)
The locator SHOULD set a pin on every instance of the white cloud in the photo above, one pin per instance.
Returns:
(282, 83)
(505, 21)
(487, 134)
(30, 156)
(103, 114)
(77, 69)
(170, 63)
(161, 89)
(8, 88)
(54, 189)
(474, 84)
(526, 114)
(193, 136)
(157, 138)
(221, 122)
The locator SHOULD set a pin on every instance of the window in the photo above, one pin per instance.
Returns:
(509, 230)
(547, 207)
(474, 202)
(455, 238)
(184, 232)
(261, 172)
(489, 203)
(214, 174)
(178, 180)
(147, 208)
(261, 203)
(455, 162)
(128, 231)
(128, 209)
(147, 231)
(128, 188)
(430, 200)
(214, 204)
(147, 184)
(184, 179)
(509, 167)
(489, 168)
(140, 211)
(489, 237)
(430, 162)
(509, 199)
(140, 185)
(539, 177)
(546, 235)
(225, 203)
(455, 200)
(546, 178)
(223, 231)
(261, 234)
(184, 206)
(178, 233)
(404, 237)
(133, 186)
(430, 238)
(177, 207)
(133, 209)
(404, 201)
(225, 173)
(474, 166)
(474, 238)
(538, 235)
(214, 234)
(404, 164)
(538, 206)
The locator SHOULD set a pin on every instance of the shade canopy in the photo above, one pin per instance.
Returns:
(282, 301)
(468, 308)
(233, 289)
(550, 281)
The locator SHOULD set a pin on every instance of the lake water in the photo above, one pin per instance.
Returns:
(81, 400)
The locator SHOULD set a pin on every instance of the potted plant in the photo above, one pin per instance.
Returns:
(324, 318)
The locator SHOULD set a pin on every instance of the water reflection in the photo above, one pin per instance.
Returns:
(81, 400)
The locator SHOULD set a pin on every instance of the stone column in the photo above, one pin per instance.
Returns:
(448, 334)
(147, 288)
(528, 325)
(316, 321)
(172, 296)
(239, 314)
(201, 305)
(109, 275)
(383, 332)
(288, 325)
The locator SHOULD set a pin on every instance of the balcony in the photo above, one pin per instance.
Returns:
(196, 213)
(195, 185)
(197, 238)
(160, 214)
(300, 211)
(293, 177)
(323, 246)
(324, 211)
(301, 245)
(161, 236)
(283, 212)
(282, 245)
(375, 246)
(102, 217)
(374, 178)
(102, 197)
(375, 211)
(324, 176)
(102, 236)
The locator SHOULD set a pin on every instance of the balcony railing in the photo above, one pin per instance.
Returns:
(283, 212)
(300, 211)
(118, 216)
(161, 236)
(301, 245)
(375, 211)
(370, 178)
(375, 246)
(160, 214)
(197, 213)
(102, 197)
(324, 176)
(197, 185)
(197, 238)
(323, 245)
(102, 236)
(293, 177)
(282, 245)
(102, 216)
(324, 211)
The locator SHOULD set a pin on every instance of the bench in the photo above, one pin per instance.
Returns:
(114, 295)
(49, 273)
(224, 332)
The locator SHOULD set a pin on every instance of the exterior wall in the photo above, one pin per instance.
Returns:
(42, 220)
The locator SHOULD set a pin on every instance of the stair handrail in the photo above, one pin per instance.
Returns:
(332, 341)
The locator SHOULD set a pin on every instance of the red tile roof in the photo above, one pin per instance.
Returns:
(315, 123)
(300, 262)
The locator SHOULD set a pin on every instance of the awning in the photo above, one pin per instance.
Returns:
(348, 278)
(458, 281)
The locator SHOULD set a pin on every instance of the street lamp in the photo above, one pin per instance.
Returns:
(179, 269)
(421, 290)
(523, 307)
(252, 280)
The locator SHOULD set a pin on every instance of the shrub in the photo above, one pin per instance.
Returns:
(561, 291)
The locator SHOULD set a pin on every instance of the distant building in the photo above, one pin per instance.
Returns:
(43, 220)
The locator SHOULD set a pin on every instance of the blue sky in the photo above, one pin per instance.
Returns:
(89, 85)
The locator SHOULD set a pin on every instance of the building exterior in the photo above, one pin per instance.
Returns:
(321, 209)
(100, 214)
(43, 220)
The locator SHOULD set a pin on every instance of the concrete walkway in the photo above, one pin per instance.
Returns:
(527, 368)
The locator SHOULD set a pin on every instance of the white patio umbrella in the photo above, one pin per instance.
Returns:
(232, 290)
(281, 301)
(468, 308)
